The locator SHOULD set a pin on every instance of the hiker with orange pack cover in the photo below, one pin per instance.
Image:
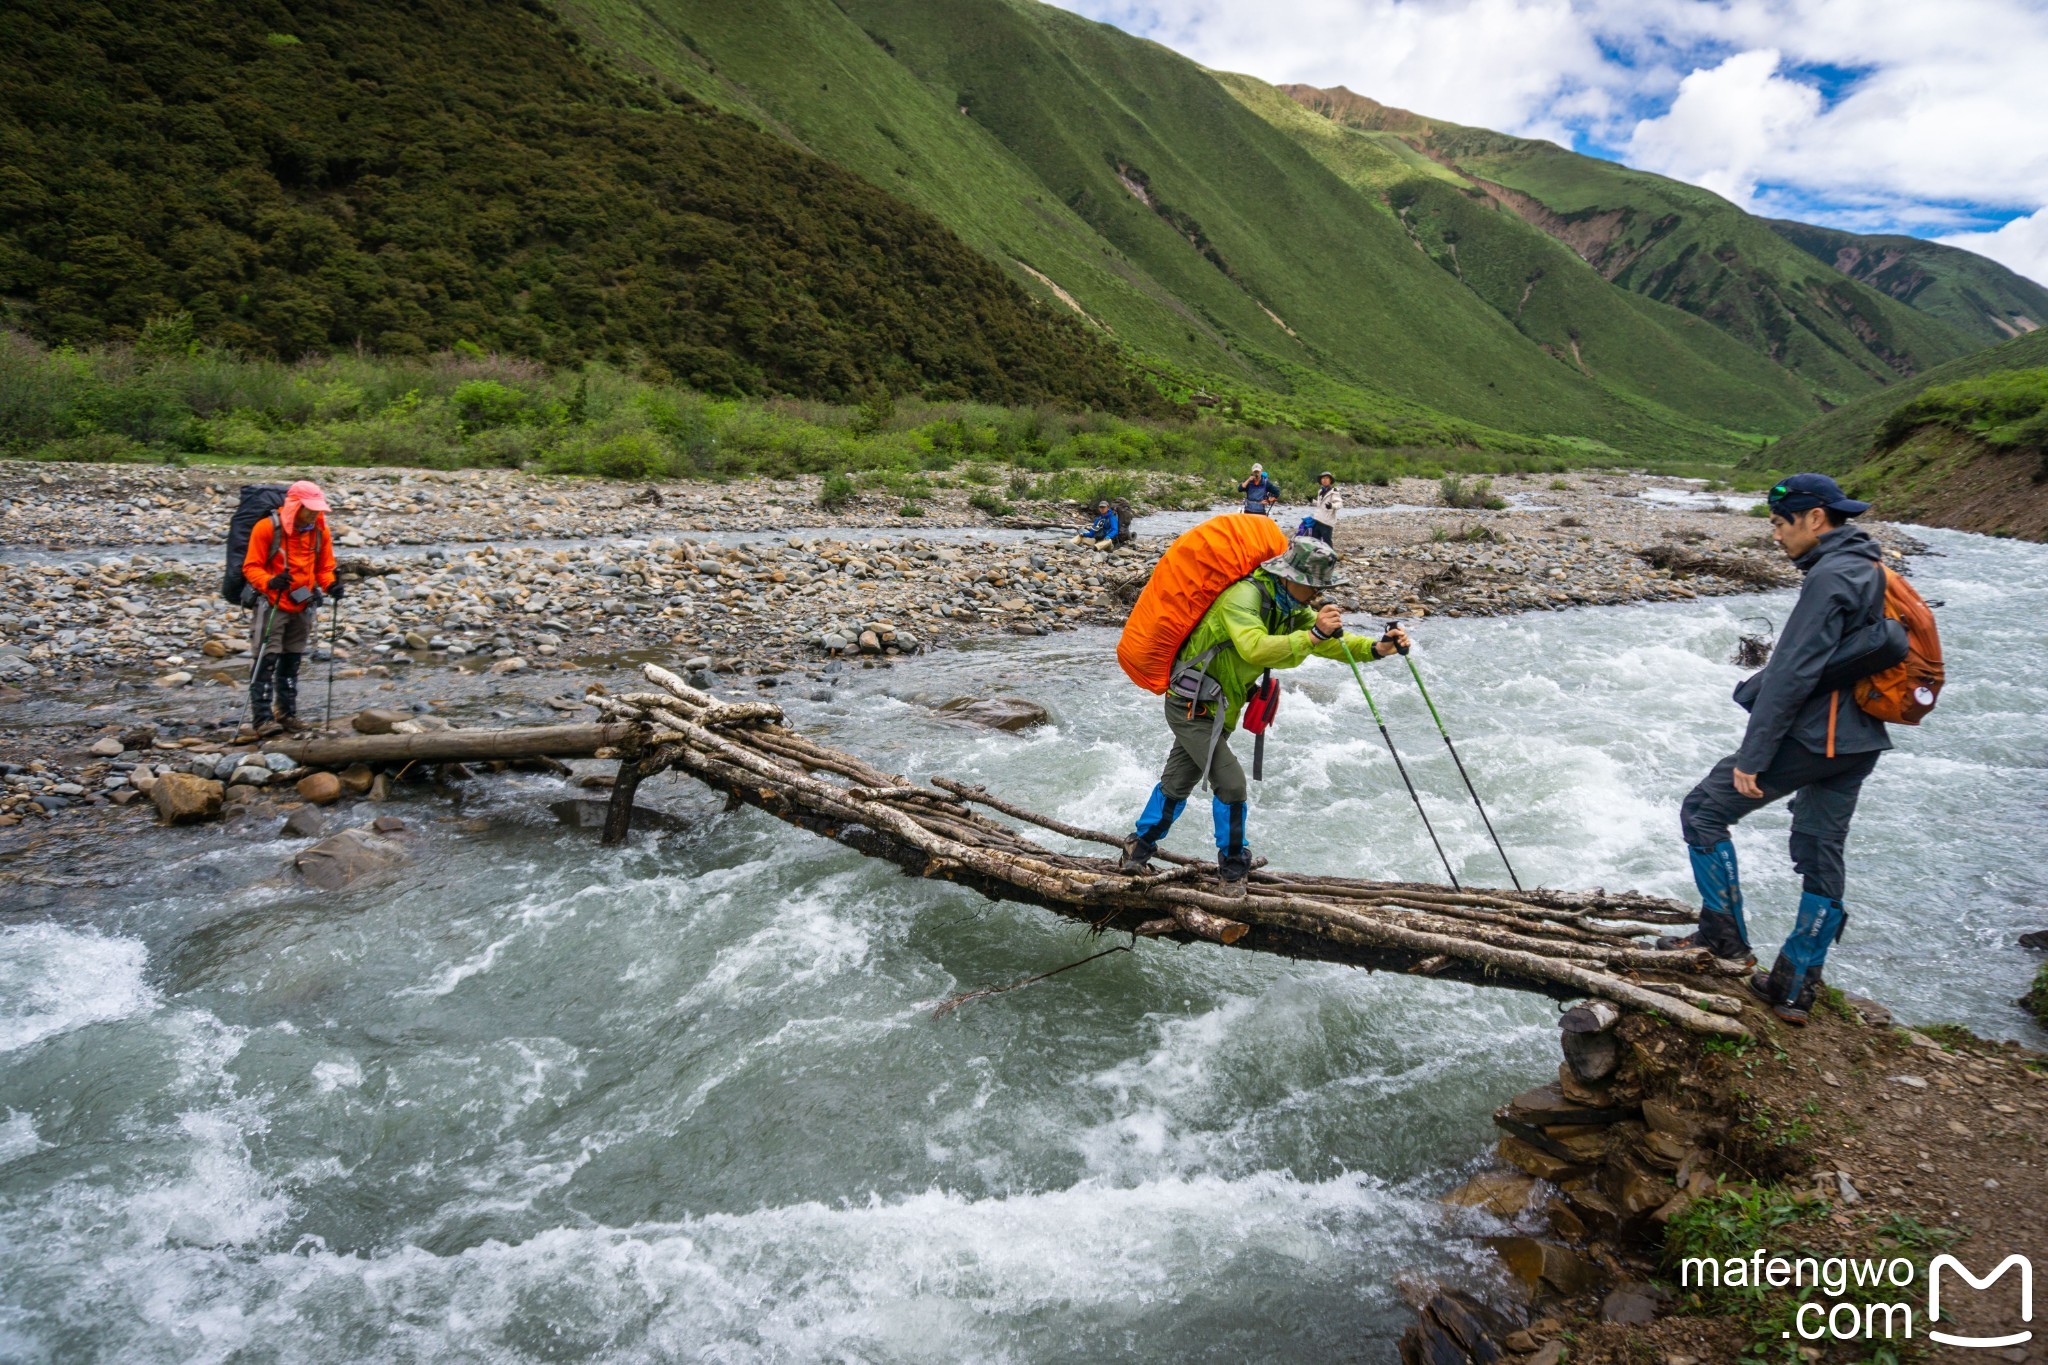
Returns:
(1214, 618)
(1858, 649)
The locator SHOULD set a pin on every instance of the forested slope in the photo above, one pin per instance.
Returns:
(406, 176)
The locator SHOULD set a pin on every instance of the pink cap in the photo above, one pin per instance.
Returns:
(307, 494)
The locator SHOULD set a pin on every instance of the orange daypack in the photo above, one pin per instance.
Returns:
(1193, 572)
(1905, 692)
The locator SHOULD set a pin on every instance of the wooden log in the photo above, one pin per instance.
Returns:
(618, 815)
(451, 746)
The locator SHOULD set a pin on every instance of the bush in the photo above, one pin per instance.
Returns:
(910, 509)
(101, 447)
(991, 503)
(836, 493)
(482, 404)
(1480, 495)
(2006, 408)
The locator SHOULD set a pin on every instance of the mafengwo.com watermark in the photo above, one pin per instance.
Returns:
(1872, 1299)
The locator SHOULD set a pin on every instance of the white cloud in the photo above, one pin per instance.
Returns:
(2020, 245)
(1947, 115)
(1726, 125)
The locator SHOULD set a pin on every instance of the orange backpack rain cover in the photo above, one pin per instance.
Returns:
(1905, 692)
(1193, 572)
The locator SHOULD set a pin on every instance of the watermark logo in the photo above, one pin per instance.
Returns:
(2026, 1269)
(1855, 1286)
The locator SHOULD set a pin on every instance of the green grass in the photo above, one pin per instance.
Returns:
(1686, 247)
(460, 410)
(1651, 350)
(2007, 409)
(1246, 225)
(1847, 437)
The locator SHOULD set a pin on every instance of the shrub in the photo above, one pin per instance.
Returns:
(100, 447)
(482, 404)
(910, 509)
(836, 493)
(991, 503)
(1453, 491)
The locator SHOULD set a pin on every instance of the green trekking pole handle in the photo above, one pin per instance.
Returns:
(1476, 802)
(1413, 795)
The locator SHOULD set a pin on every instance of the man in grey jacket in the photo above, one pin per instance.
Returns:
(1806, 739)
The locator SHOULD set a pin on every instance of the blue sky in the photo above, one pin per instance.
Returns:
(1927, 117)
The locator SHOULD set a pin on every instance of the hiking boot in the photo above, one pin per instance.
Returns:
(1789, 1001)
(1137, 855)
(292, 725)
(269, 729)
(1719, 935)
(1233, 866)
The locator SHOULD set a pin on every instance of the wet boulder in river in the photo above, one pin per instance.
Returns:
(995, 713)
(378, 720)
(348, 857)
(182, 799)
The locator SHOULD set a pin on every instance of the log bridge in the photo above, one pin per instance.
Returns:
(1568, 945)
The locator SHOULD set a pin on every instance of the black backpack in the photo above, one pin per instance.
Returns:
(259, 500)
(1125, 533)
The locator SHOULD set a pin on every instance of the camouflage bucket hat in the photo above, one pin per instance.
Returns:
(1308, 561)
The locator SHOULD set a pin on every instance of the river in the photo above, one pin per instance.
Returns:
(686, 1100)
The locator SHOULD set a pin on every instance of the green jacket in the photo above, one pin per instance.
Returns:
(1260, 627)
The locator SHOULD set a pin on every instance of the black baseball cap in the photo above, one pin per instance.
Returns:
(1802, 492)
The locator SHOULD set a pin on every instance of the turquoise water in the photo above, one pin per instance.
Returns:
(536, 1100)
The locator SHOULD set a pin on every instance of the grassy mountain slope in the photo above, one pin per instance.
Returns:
(1846, 437)
(1973, 292)
(1682, 245)
(1210, 243)
(409, 176)
(1541, 286)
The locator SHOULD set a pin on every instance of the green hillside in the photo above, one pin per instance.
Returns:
(1846, 437)
(407, 177)
(1225, 255)
(1973, 292)
(1685, 246)
(1539, 285)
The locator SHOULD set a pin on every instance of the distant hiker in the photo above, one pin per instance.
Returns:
(1806, 735)
(1261, 494)
(1329, 502)
(1103, 533)
(290, 567)
(1257, 623)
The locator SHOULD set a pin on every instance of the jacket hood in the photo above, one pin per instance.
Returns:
(1849, 540)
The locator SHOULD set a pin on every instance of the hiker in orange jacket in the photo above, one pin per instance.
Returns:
(290, 564)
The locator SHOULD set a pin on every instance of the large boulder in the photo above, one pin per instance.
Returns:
(348, 857)
(321, 789)
(182, 799)
(995, 713)
(378, 720)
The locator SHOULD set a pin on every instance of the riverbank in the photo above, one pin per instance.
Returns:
(522, 591)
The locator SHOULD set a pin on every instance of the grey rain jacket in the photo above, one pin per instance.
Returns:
(1840, 604)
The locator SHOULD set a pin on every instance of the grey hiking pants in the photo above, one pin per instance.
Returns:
(1190, 746)
(290, 633)
(1823, 792)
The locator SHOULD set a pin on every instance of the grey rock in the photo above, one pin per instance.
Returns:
(996, 713)
(254, 776)
(304, 823)
(278, 763)
(345, 858)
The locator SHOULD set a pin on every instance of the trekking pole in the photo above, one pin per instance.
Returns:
(1417, 673)
(1412, 794)
(333, 634)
